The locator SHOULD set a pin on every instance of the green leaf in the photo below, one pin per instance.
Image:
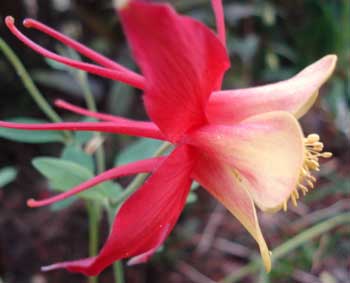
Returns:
(64, 174)
(83, 137)
(76, 154)
(192, 198)
(120, 99)
(7, 175)
(140, 149)
(63, 204)
(30, 136)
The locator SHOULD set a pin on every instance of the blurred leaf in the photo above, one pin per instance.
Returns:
(84, 136)
(195, 186)
(76, 154)
(237, 12)
(56, 65)
(192, 197)
(140, 149)
(338, 106)
(30, 136)
(57, 80)
(64, 175)
(120, 99)
(63, 81)
(245, 48)
(284, 50)
(268, 13)
(7, 175)
(338, 184)
(63, 204)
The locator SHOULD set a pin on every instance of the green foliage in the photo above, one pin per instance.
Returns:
(64, 174)
(75, 153)
(140, 149)
(30, 136)
(338, 185)
(7, 175)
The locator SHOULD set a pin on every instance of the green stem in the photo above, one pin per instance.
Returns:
(90, 102)
(30, 86)
(118, 272)
(94, 219)
(88, 95)
(289, 246)
(140, 178)
(91, 105)
(118, 265)
(94, 209)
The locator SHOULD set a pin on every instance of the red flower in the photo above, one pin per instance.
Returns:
(244, 146)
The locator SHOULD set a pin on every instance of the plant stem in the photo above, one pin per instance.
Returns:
(94, 209)
(118, 272)
(289, 246)
(91, 105)
(83, 82)
(118, 265)
(140, 178)
(30, 86)
(94, 219)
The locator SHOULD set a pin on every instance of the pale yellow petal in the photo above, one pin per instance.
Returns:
(267, 150)
(295, 95)
(228, 188)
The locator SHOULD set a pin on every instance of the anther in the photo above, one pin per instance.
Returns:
(313, 152)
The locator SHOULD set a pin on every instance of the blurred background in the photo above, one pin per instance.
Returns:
(268, 40)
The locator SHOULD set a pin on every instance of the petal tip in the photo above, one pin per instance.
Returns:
(266, 256)
(332, 62)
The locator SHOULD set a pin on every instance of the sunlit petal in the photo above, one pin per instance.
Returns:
(266, 150)
(219, 179)
(295, 95)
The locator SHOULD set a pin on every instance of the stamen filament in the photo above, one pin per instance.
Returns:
(141, 166)
(313, 151)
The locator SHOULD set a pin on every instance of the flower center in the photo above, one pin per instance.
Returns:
(313, 152)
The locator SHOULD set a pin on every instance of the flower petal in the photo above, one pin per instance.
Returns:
(266, 151)
(182, 60)
(218, 178)
(295, 95)
(146, 218)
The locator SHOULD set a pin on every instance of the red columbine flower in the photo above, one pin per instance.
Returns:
(244, 146)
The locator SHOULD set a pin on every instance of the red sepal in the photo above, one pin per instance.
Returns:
(182, 60)
(146, 218)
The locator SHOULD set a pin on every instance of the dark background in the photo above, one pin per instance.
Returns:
(267, 41)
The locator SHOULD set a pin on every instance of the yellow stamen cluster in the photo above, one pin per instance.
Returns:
(313, 152)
